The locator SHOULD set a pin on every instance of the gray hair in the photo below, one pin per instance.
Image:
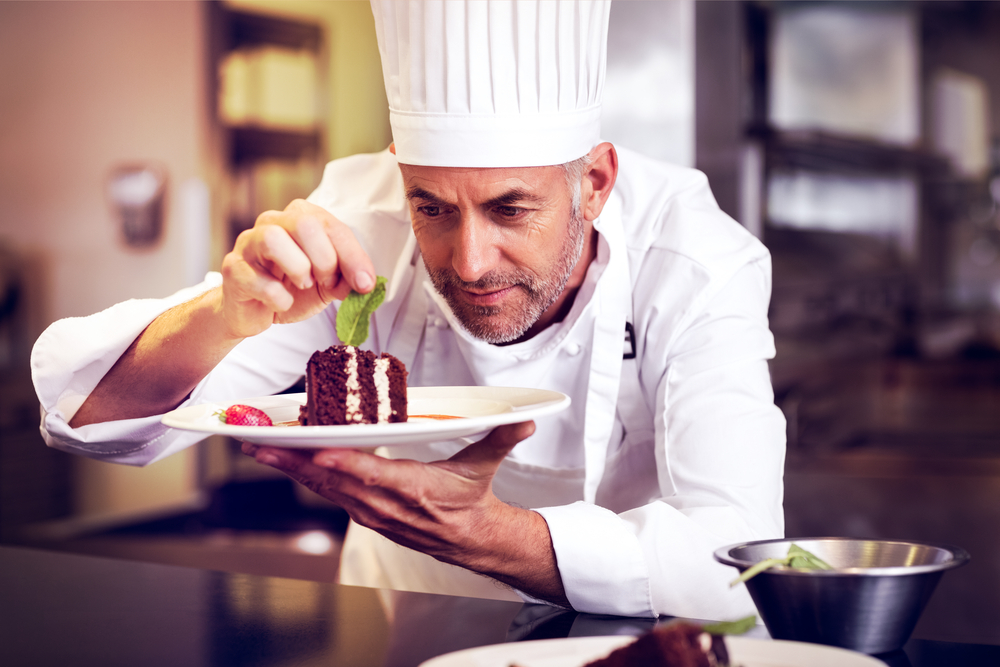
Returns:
(574, 175)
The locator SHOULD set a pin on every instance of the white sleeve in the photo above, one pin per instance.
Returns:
(72, 355)
(719, 449)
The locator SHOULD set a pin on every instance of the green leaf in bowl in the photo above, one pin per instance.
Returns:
(797, 558)
(738, 627)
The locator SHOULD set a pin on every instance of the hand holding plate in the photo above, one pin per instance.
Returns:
(445, 508)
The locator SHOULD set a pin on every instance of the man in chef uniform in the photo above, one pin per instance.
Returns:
(520, 251)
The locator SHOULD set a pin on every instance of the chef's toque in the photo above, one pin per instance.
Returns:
(495, 83)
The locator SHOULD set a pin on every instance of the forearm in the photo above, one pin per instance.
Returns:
(515, 548)
(164, 363)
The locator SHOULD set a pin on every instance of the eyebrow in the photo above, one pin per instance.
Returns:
(509, 198)
(513, 197)
(420, 193)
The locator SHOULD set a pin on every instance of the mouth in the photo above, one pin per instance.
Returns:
(488, 297)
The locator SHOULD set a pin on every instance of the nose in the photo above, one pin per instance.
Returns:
(474, 253)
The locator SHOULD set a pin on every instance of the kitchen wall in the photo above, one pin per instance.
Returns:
(88, 86)
(85, 87)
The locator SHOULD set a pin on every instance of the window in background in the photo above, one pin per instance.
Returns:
(846, 69)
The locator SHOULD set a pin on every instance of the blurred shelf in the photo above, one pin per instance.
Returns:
(250, 144)
(234, 30)
(245, 29)
(824, 151)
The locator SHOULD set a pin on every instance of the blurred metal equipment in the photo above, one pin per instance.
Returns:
(869, 602)
(649, 91)
(136, 193)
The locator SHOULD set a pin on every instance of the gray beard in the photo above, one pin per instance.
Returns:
(496, 324)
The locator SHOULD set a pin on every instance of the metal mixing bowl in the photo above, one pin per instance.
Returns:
(869, 602)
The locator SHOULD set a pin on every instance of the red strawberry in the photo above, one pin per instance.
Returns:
(244, 415)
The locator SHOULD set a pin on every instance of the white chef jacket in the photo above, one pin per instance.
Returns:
(660, 459)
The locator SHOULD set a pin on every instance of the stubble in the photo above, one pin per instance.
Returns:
(538, 290)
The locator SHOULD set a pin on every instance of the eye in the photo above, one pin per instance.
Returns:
(429, 211)
(508, 211)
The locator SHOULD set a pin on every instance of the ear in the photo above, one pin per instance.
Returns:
(598, 180)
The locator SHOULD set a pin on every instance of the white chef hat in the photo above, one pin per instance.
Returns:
(493, 83)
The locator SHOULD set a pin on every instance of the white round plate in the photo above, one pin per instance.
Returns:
(479, 409)
(578, 651)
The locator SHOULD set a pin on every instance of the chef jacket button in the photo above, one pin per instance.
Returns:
(440, 323)
(573, 349)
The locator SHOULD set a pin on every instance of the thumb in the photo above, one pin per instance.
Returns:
(486, 455)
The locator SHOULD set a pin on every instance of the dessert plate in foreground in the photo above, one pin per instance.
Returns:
(436, 413)
(578, 651)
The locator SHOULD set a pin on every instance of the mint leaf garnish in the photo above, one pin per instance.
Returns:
(355, 311)
(797, 558)
(738, 627)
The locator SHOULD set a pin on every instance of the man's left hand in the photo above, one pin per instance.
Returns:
(445, 508)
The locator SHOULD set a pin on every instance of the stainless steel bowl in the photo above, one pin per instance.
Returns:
(869, 602)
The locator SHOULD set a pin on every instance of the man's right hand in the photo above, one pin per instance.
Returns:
(288, 267)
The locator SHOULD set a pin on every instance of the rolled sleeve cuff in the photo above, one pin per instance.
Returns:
(70, 358)
(136, 442)
(600, 560)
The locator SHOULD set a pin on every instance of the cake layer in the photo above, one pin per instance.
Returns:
(677, 644)
(348, 385)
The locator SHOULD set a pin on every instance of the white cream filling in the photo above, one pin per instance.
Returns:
(382, 389)
(352, 401)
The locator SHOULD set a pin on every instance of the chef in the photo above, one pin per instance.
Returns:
(523, 251)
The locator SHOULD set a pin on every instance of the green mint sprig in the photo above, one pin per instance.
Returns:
(355, 311)
(797, 558)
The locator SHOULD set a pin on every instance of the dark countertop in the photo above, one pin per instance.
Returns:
(59, 608)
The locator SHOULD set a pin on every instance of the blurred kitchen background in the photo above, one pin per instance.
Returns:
(859, 140)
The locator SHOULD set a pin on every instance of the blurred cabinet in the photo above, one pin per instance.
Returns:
(821, 119)
(36, 482)
(270, 101)
(833, 110)
(819, 127)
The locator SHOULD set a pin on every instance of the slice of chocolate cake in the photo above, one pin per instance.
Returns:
(348, 385)
(676, 644)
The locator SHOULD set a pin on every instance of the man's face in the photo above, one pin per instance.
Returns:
(498, 244)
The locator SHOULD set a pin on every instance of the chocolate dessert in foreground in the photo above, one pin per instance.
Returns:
(348, 385)
(677, 644)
